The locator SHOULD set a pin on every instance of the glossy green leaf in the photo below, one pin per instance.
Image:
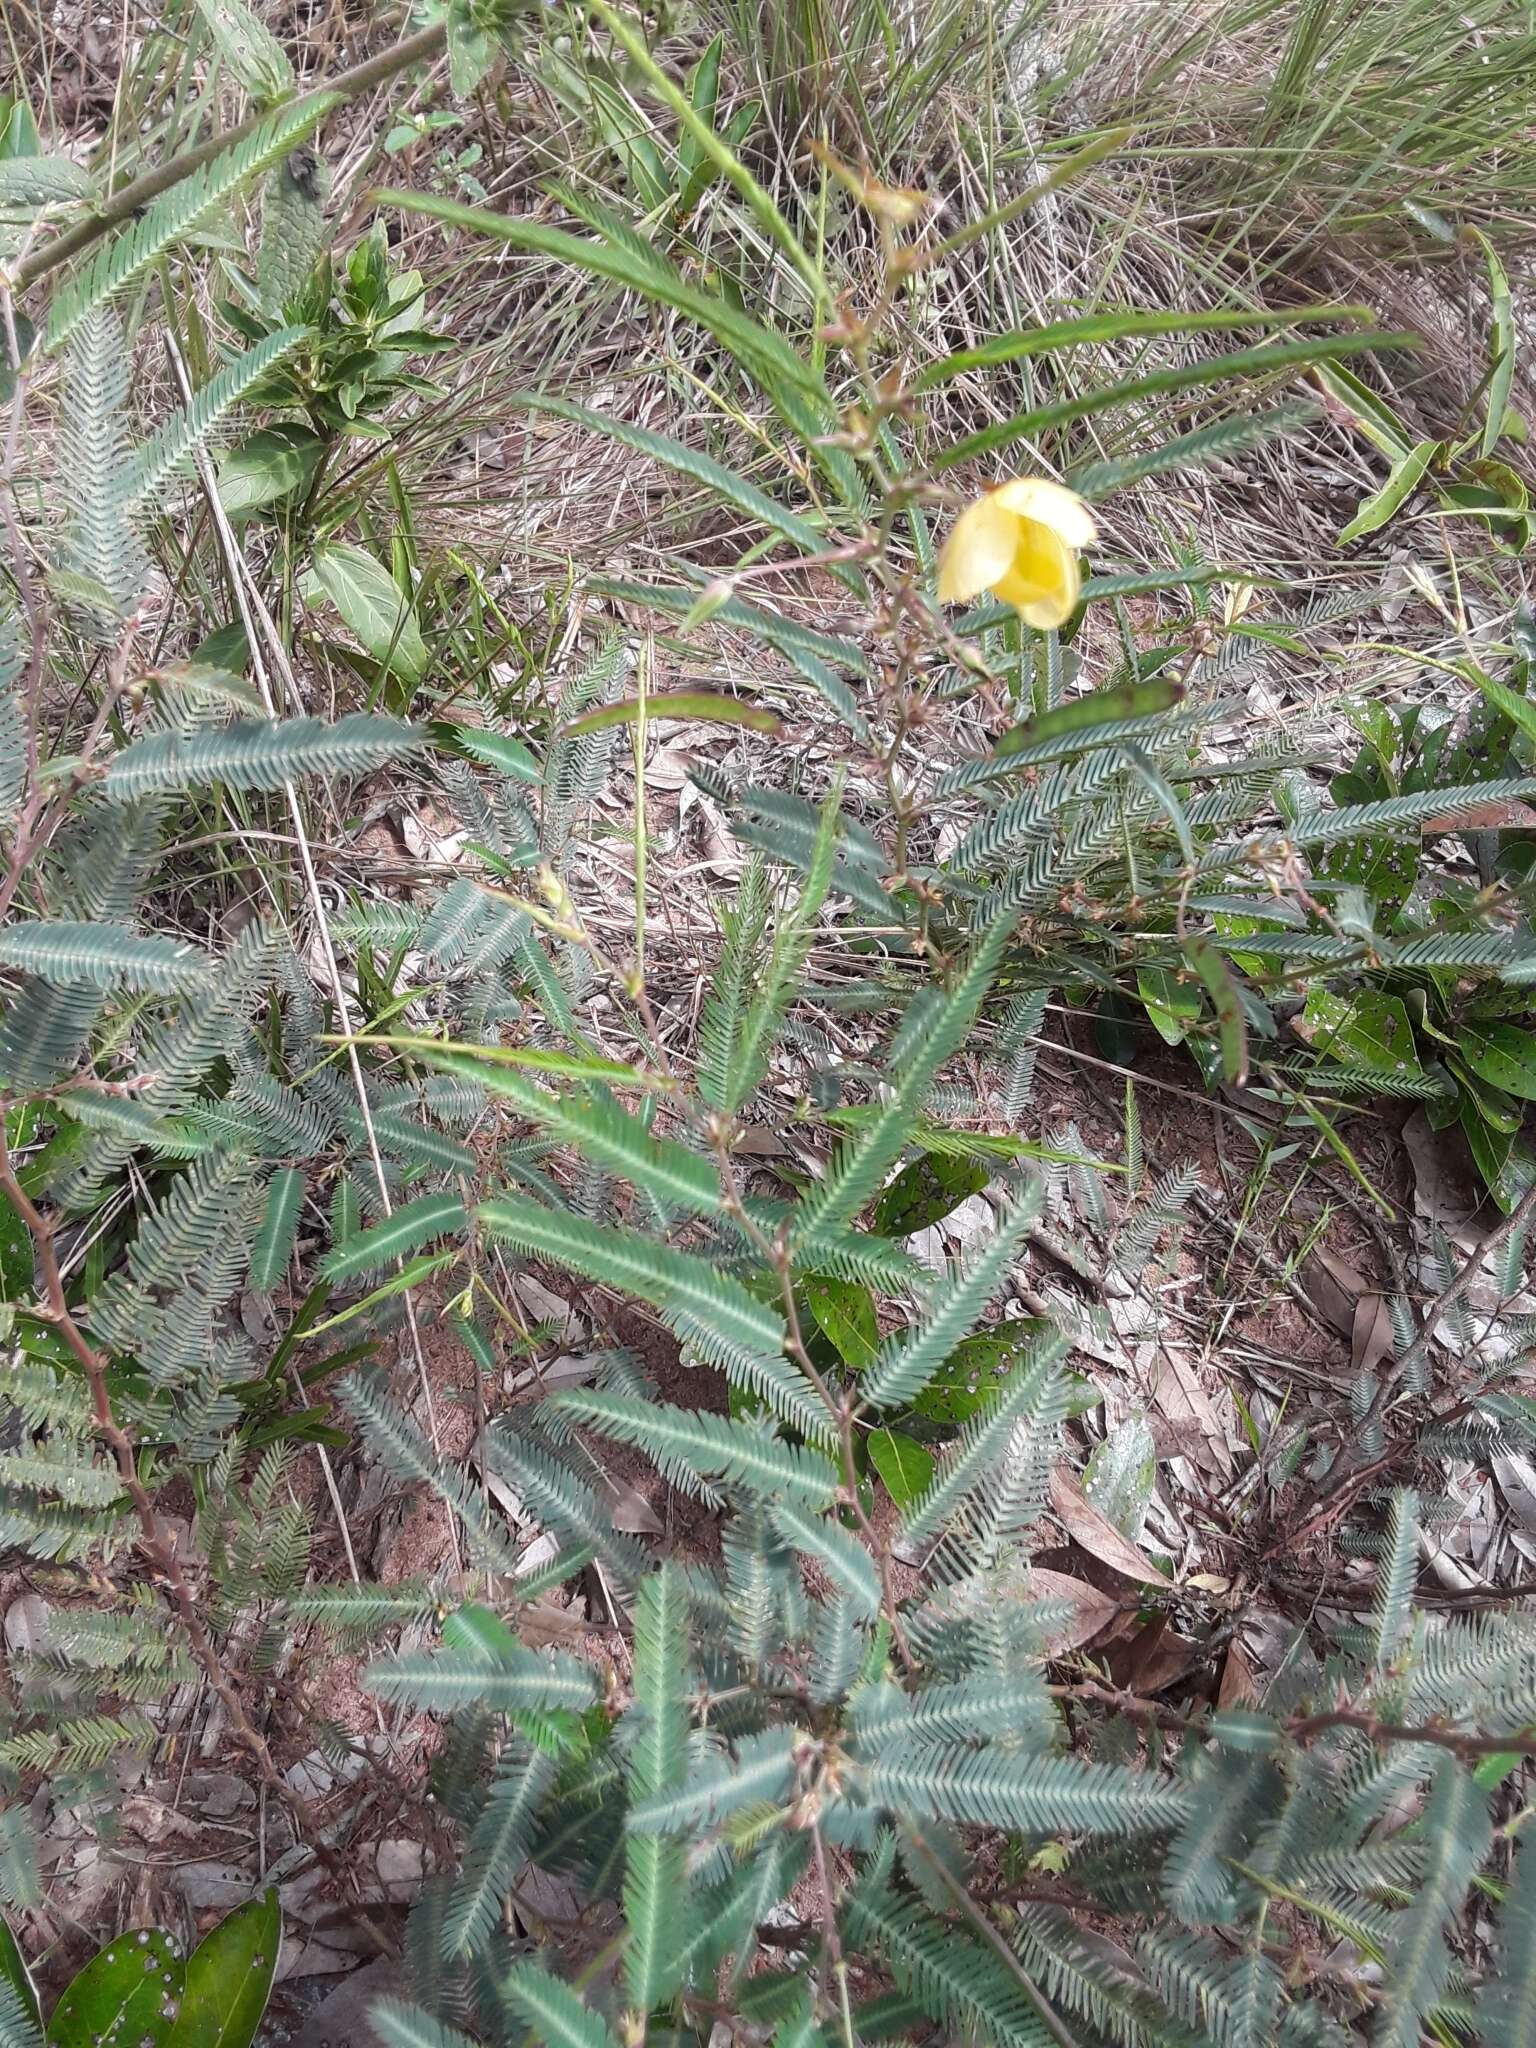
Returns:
(1504, 1055)
(903, 1463)
(229, 1978)
(128, 1996)
(1172, 1005)
(372, 604)
(977, 1370)
(845, 1314)
(926, 1191)
(271, 465)
(1367, 1030)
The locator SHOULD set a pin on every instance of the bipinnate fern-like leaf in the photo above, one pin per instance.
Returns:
(397, 1441)
(497, 1847)
(656, 1903)
(257, 753)
(1008, 1789)
(172, 446)
(1024, 1420)
(64, 950)
(123, 258)
(955, 1980)
(861, 1163)
(1509, 2002)
(1395, 1576)
(759, 1771)
(754, 1025)
(908, 1361)
(602, 1130)
(744, 925)
(514, 1680)
(562, 1503)
(1456, 1830)
(273, 1247)
(701, 1450)
(399, 2024)
(412, 1225)
(844, 1559)
(102, 554)
(553, 2011)
(637, 1265)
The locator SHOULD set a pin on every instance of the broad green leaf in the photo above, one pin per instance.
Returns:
(1171, 1004)
(1231, 1026)
(125, 1997)
(498, 750)
(925, 1191)
(1501, 345)
(229, 1978)
(1504, 1055)
(1119, 1477)
(1099, 707)
(903, 1463)
(845, 1314)
(372, 604)
(1368, 414)
(1368, 1030)
(687, 704)
(977, 1371)
(1399, 486)
(1520, 709)
(273, 464)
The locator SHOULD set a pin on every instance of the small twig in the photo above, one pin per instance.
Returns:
(1306, 1728)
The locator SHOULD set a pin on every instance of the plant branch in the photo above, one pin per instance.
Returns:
(130, 199)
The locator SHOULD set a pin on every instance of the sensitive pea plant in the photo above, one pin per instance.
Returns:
(842, 1759)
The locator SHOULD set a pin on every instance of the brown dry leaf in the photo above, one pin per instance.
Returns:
(1494, 817)
(1335, 1287)
(1154, 1659)
(1238, 1686)
(542, 1625)
(1370, 1337)
(633, 1513)
(1188, 1407)
(1096, 1534)
(1094, 1610)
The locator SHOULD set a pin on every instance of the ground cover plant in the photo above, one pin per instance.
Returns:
(767, 1050)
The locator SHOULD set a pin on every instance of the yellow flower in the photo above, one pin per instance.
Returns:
(1020, 542)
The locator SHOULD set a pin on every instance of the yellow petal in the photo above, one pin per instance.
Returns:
(978, 551)
(1043, 579)
(1053, 505)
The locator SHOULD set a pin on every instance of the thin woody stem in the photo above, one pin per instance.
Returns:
(132, 198)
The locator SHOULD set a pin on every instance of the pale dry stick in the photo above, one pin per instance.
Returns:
(251, 609)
